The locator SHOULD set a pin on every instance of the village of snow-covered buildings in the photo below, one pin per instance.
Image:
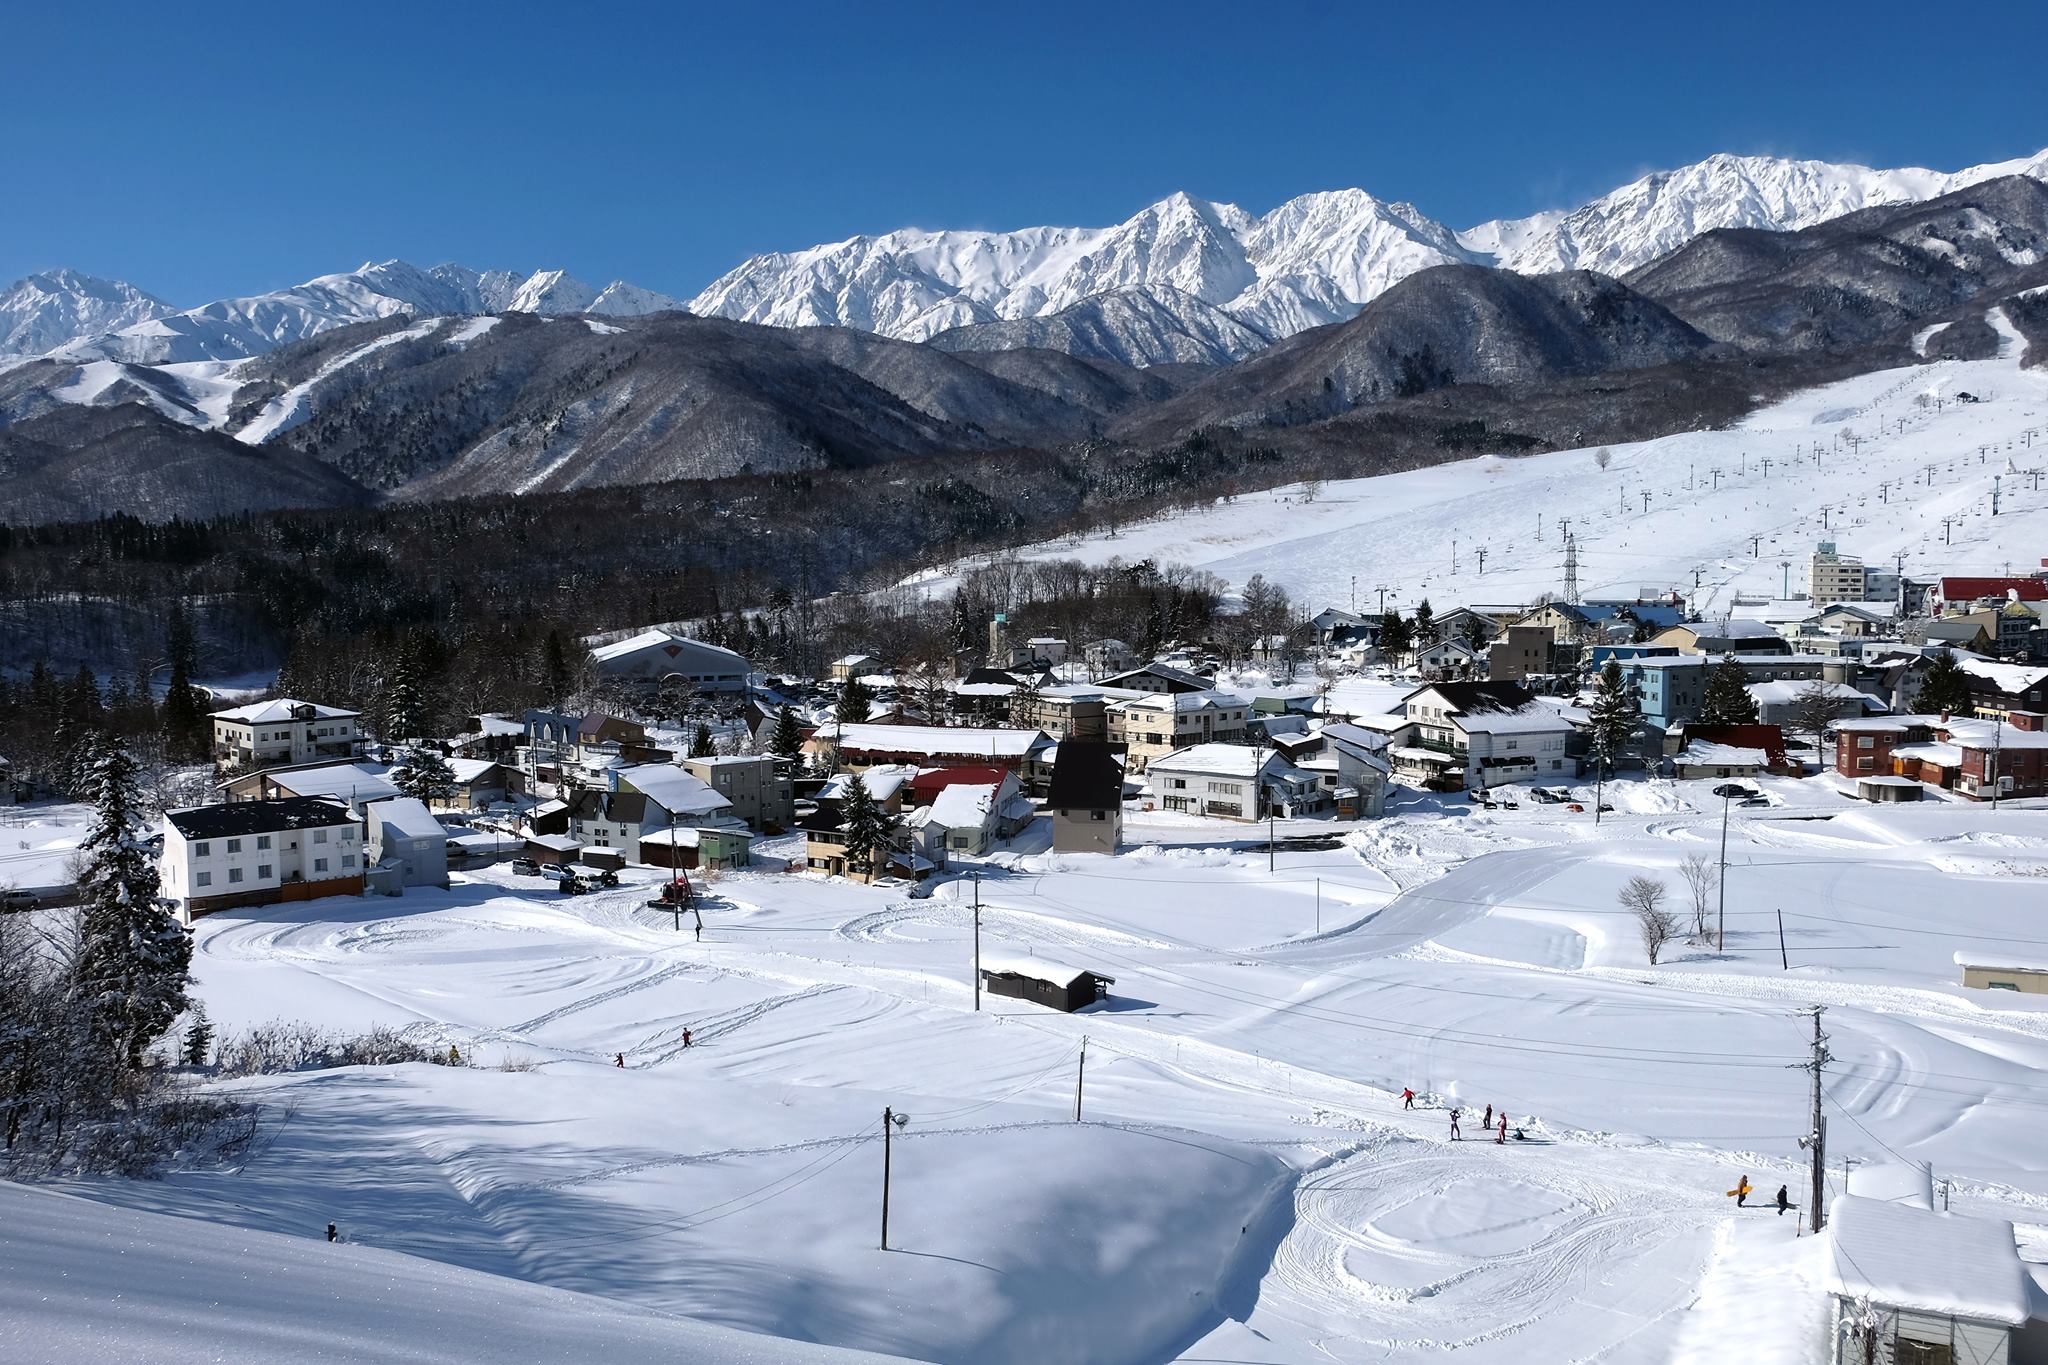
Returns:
(1591, 975)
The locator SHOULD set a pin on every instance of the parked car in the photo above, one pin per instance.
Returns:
(14, 898)
(1758, 800)
(1735, 790)
(555, 872)
(525, 867)
(606, 877)
(572, 886)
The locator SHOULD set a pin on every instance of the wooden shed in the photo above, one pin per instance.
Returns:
(603, 859)
(1043, 982)
(676, 848)
(553, 848)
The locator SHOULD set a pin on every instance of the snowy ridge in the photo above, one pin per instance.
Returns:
(236, 329)
(42, 312)
(1315, 259)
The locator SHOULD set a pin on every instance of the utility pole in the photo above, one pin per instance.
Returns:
(1817, 1139)
(1721, 884)
(1946, 524)
(1454, 554)
(1756, 544)
(977, 943)
(1646, 502)
(1319, 905)
(1270, 858)
(1997, 744)
(1571, 571)
(1080, 1075)
(1784, 962)
(891, 1121)
(1482, 561)
(1994, 494)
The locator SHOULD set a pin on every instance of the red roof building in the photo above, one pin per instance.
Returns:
(1996, 589)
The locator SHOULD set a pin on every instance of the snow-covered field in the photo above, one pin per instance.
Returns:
(1418, 534)
(1243, 1183)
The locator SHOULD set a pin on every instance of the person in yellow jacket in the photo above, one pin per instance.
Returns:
(1741, 1192)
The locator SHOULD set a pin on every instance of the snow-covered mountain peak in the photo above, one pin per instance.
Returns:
(42, 312)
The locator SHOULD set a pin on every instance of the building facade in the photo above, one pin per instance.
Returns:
(266, 734)
(247, 853)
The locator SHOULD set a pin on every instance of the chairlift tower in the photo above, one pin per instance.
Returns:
(1571, 571)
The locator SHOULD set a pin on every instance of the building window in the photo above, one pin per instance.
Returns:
(234, 845)
(203, 879)
(319, 864)
(262, 841)
(201, 850)
(1866, 764)
(1865, 742)
(319, 836)
(234, 874)
(1098, 815)
(263, 872)
(348, 860)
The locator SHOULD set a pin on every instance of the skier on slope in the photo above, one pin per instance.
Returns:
(1407, 1098)
(1487, 1122)
(1741, 1192)
(1784, 1200)
(686, 1037)
(619, 1059)
(1502, 1139)
(1455, 1135)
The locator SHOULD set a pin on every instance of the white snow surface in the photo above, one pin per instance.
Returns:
(1747, 533)
(84, 1282)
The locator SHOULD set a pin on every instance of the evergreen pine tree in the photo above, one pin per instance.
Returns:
(405, 706)
(866, 826)
(788, 740)
(1396, 636)
(856, 700)
(135, 958)
(422, 772)
(700, 744)
(1726, 700)
(1424, 626)
(198, 1049)
(184, 713)
(1945, 689)
(1616, 715)
(557, 668)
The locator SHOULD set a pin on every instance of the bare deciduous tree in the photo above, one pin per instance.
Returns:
(1603, 457)
(1701, 875)
(1643, 897)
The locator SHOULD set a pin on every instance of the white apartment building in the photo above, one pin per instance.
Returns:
(1477, 735)
(1158, 724)
(265, 734)
(294, 848)
(1832, 577)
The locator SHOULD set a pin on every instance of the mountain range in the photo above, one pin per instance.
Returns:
(1184, 280)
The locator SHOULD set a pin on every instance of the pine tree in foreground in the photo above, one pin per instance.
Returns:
(134, 957)
(1726, 700)
(198, 1049)
(866, 826)
(422, 772)
(788, 739)
(700, 744)
(1616, 715)
(1946, 688)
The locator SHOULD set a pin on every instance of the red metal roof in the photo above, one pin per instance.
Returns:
(1970, 589)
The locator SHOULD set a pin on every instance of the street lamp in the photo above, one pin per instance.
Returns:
(891, 1121)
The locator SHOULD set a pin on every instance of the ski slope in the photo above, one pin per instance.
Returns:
(1243, 1183)
(1717, 515)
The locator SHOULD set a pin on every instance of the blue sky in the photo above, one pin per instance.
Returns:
(207, 150)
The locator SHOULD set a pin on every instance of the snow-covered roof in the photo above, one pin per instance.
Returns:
(1942, 755)
(1984, 734)
(1784, 691)
(1214, 760)
(499, 726)
(1886, 782)
(1415, 755)
(651, 639)
(1038, 968)
(882, 782)
(274, 712)
(468, 770)
(406, 814)
(2010, 678)
(935, 740)
(346, 781)
(1535, 719)
(851, 659)
(1179, 703)
(678, 837)
(1986, 960)
(1948, 1264)
(675, 791)
(964, 805)
(1701, 754)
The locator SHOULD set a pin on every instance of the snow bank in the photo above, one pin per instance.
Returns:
(81, 1281)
